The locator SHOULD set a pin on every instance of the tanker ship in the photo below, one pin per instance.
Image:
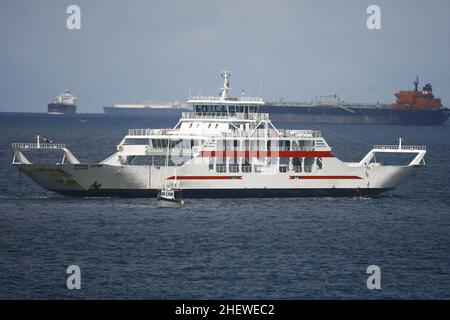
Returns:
(65, 103)
(146, 109)
(412, 107)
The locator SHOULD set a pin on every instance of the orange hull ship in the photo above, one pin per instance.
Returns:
(417, 100)
(412, 107)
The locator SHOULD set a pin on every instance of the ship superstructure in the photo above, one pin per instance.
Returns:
(417, 100)
(65, 103)
(224, 148)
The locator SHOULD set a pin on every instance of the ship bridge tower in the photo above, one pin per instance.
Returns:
(223, 113)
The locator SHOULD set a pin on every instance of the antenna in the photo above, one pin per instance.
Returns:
(261, 82)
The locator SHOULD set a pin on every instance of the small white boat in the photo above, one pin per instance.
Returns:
(169, 196)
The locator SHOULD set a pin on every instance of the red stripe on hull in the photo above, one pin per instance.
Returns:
(262, 154)
(205, 177)
(324, 177)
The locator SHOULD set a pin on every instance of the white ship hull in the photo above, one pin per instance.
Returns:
(145, 181)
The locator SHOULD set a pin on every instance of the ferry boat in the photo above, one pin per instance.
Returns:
(65, 103)
(223, 148)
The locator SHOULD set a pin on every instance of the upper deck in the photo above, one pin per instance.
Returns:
(224, 117)
(269, 133)
(228, 116)
(223, 103)
(227, 100)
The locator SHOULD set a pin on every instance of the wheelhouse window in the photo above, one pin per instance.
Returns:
(252, 109)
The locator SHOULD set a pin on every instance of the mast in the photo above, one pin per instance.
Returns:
(166, 165)
(416, 83)
(226, 85)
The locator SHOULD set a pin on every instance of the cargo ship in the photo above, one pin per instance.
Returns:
(412, 107)
(147, 108)
(65, 103)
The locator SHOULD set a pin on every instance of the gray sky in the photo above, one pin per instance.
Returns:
(134, 51)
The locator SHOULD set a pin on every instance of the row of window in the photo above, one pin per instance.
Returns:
(264, 145)
(226, 108)
(227, 145)
(232, 165)
(284, 165)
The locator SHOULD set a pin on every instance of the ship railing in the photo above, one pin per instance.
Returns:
(257, 133)
(399, 147)
(420, 152)
(303, 148)
(301, 133)
(225, 115)
(220, 99)
(271, 133)
(20, 158)
(238, 133)
(149, 132)
(38, 146)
